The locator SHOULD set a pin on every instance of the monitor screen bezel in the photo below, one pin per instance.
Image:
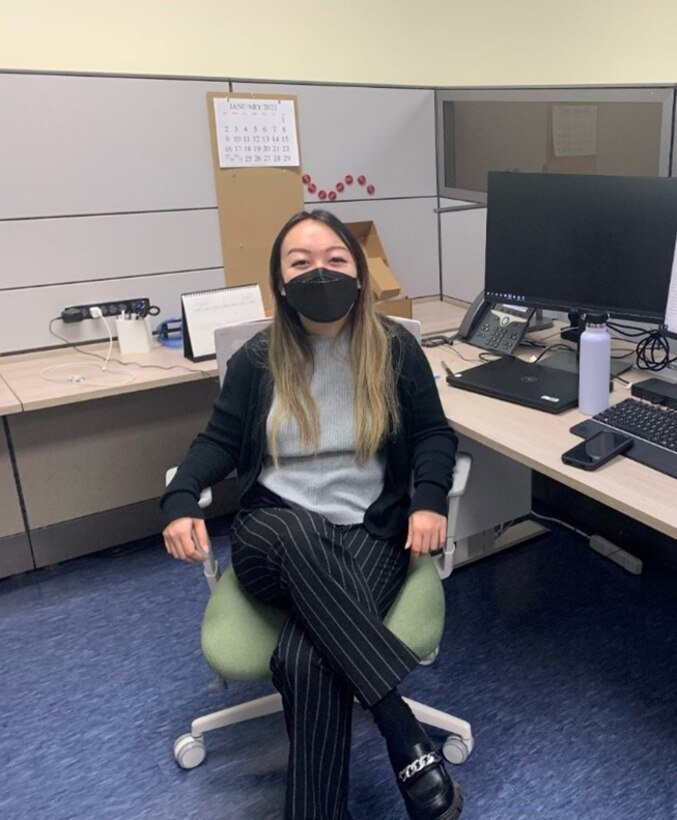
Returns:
(615, 311)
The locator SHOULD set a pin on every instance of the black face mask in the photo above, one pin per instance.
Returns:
(322, 295)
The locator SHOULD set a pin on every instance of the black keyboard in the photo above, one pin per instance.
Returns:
(649, 422)
(652, 428)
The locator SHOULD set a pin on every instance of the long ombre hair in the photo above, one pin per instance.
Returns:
(290, 357)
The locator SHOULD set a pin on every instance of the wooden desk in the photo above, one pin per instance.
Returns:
(538, 439)
(9, 403)
(90, 458)
(90, 455)
(40, 380)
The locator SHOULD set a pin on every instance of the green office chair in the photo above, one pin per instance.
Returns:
(239, 633)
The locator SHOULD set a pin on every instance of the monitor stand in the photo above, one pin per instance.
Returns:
(538, 322)
(568, 360)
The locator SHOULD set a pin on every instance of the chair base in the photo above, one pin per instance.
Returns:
(189, 750)
(459, 743)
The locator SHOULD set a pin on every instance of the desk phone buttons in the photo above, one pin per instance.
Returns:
(501, 329)
(498, 337)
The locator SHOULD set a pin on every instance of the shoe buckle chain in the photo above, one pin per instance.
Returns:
(418, 765)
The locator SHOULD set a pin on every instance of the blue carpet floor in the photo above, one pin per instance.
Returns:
(565, 665)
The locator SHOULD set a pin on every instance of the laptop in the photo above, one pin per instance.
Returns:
(532, 385)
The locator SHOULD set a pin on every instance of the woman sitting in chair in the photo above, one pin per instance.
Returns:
(326, 415)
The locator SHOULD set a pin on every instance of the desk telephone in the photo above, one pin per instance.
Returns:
(494, 326)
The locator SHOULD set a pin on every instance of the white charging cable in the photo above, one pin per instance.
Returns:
(97, 313)
(79, 377)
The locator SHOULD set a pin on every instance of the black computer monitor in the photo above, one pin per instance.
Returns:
(586, 243)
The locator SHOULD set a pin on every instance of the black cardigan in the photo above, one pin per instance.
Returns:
(235, 438)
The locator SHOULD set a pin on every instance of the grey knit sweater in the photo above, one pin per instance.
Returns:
(331, 481)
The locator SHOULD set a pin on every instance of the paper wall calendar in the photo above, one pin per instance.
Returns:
(256, 133)
(574, 130)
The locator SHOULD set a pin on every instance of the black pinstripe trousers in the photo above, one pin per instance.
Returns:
(337, 582)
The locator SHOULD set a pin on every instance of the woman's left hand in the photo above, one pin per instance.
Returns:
(427, 532)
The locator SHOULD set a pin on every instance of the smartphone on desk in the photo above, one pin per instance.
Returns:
(597, 450)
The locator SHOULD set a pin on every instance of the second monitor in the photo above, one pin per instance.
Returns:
(570, 242)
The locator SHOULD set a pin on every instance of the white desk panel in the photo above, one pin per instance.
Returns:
(462, 250)
(28, 311)
(39, 252)
(387, 134)
(92, 145)
(408, 232)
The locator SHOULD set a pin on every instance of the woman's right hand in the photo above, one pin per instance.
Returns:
(182, 534)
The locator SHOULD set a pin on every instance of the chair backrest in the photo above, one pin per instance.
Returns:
(230, 338)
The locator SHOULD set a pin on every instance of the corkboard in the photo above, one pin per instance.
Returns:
(253, 204)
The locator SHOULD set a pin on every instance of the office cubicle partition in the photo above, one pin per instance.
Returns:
(108, 189)
(625, 131)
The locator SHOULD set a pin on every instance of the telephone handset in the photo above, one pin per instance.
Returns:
(494, 326)
(473, 315)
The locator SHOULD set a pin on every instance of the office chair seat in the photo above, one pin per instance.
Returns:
(242, 650)
(240, 633)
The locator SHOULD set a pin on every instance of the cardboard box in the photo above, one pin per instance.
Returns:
(395, 307)
(383, 281)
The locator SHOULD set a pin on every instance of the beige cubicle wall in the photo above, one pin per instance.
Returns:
(15, 550)
(91, 472)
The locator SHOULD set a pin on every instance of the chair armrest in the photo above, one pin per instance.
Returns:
(205, 495)
(210, 566)
(445, 561)
(461, 474)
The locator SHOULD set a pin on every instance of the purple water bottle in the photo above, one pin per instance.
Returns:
(594, 366)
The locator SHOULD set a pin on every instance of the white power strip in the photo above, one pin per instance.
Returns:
(609, 550)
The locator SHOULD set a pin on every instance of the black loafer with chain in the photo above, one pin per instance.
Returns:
(429, 793)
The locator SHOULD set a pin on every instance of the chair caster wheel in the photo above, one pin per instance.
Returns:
(456, 749)
(430, 659)
(189, 751)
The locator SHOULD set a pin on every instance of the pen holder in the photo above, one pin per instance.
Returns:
(134, 335)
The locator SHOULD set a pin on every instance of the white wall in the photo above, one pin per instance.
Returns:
(429, 43)
(462, 241)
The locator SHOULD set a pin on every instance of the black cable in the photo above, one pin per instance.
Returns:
(472, 361)
(556, 346)
(653, 352)
(495, 354)
(532, 343)
(436, 341)
(632, 331)
(653, 349)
